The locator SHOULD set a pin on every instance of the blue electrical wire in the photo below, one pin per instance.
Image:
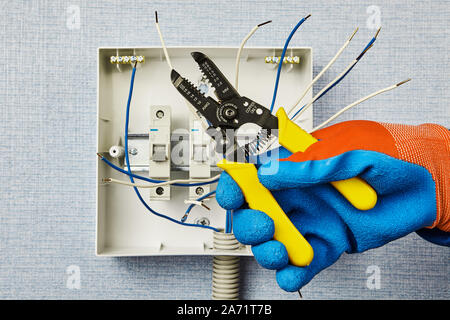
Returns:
(127, 117)
(348, 71)
(337, 81)
(229, 221)
(298, 112)
(367, 47)
(280, 63)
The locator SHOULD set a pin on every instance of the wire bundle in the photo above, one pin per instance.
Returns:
(295, 114)
(338, 79)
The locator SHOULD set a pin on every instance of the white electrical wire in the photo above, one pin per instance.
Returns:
(198, 203)
(169, 63)
(238, 56)
(273, 139)
(338, 78)
(162, 41)
(337, 114)
(324, 89)
(356, 103)
(159, 184)
(332, 61)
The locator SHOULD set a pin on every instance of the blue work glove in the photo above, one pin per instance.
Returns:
(407, 188)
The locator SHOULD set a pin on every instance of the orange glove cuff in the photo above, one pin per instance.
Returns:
(428, 145)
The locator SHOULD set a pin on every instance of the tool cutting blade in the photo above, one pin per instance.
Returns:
(224, 90)
(206, 106)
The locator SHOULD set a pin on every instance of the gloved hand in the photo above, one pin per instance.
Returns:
(408, 166)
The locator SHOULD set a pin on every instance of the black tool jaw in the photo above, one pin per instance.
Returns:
(174, 75)
(229, 114)
(198, 56)
(223, 88)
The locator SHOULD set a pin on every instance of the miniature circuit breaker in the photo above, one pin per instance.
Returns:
(159, 150)
(199, 160)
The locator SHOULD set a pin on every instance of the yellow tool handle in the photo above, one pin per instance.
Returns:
(358, 192)
(259, 198)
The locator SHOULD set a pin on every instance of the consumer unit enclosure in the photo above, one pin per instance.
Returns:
(124, 226)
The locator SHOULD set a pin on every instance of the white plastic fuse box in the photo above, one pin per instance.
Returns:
(124, 226)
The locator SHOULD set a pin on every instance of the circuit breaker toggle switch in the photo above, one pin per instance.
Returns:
(160, 153)
(159, 146)
(200, 153)
(199, 160)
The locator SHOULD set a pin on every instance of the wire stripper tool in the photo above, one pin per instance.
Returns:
(225, 117)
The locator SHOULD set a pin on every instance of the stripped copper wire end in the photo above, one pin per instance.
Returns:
(205, 206)
(402, 82)
(378, 31)
(373, 40)
(261, 24)
(353, 34)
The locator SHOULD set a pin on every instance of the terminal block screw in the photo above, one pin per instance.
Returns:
(159, 114)
(199, 191)
(133, 151)
(203, 221)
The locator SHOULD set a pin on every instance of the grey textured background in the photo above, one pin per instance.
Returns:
(48, 128)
